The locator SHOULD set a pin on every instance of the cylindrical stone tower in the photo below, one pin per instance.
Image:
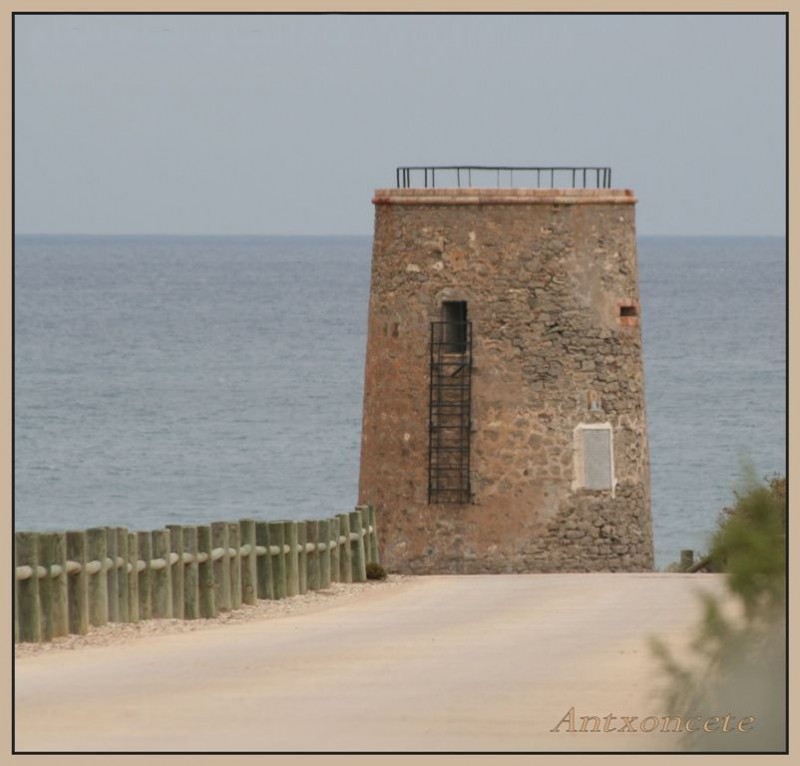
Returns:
(504, 417)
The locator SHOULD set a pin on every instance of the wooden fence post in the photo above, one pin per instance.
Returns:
(302, 557)
(205, 572)
(375, 551)
(27, 555)
(53, 589)
(61, 598)
(97, 550)
(278, 561)
(222, 566)
(367, 534)
(133, 577)
(162, 582)
(264, 565)
(112, 575)
(44, 555)
(247, 529)
(359, 560)
(325, 554)
(292, 558)
(364, 509)
(145, 546)
(16, 597)
(335, 574)
(176, 575)
(235, 543)
(123, 577)
(191, 574)
(346, 551)
(78, 584)
(313, 555)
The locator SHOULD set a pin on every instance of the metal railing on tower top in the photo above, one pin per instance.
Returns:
(502, 176)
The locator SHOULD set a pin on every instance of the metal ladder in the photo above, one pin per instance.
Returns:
(449, 412)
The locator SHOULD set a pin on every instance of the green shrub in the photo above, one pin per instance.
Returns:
(750, 546)
(375, 571)
(739, 662)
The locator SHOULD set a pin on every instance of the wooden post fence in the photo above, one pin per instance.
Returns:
(78, 584)
(97, 547)
(278, 559)
(334, 535)
(292, 558)
(235, 559)
(324, 554)
(247, 529)
(177, 570)
(264, 576)
(222, 565)
(312, 547)
(123, 575)
(357, 541)
(133, 576)
(191, 575)
(302, 557)
(162, 569)
(205, 572)
(68, 582)
(145, 545)
(345, 550)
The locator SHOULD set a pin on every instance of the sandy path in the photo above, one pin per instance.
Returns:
(471, 663)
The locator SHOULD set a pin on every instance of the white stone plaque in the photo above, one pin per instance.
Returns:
(597, 461)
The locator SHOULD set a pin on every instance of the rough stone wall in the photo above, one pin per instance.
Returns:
(545, 274)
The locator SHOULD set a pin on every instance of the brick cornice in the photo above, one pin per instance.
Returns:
(474, 196)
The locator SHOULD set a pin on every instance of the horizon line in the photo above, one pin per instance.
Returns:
(782, 235)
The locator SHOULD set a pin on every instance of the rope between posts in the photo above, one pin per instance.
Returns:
(25, 572)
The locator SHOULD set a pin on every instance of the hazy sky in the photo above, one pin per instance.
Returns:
(286, 124)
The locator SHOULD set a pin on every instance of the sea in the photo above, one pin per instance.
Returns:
(166, 379)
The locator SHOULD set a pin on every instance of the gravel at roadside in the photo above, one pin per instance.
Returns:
(120, 633)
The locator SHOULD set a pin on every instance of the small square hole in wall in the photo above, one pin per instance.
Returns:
(628, 313)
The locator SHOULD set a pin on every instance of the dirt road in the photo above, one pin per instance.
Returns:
(472, 663)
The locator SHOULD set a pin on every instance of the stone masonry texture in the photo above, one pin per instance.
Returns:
(550, 280)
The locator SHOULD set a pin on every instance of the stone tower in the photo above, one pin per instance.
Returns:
(504, 420)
